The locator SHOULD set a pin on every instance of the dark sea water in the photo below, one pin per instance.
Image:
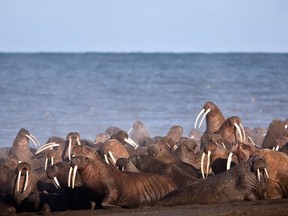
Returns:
(53, 94)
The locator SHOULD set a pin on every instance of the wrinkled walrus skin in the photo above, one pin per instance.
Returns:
(124, 189)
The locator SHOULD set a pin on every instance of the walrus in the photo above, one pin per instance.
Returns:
(245, 181)
(111, 150)
(118, 188)
(25, 191)
(175, 132)
(21, 149)
(75, 198)
(161, 153)
(228, 131)
(147, 164)
(139, 133)
(275, 131)
(277, 167)
(125, 164)
(214, 120)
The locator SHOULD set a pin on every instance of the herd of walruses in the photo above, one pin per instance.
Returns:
(228, 162)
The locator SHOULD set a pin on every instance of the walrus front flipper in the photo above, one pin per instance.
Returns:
(106, 205)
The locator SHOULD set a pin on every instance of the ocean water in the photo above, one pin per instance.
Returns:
(52, 94)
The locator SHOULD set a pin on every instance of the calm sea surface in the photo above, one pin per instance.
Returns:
(53, 94)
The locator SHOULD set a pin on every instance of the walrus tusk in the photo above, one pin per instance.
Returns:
(202, 164)
(130, 131)
(78, 142)
(112, 157)
(243, 132)
(239, 131)
(47, 146)
(69, 149)
(197, 118)
(106, 158)
(229, 160)
(52, 160)
(258, 174)
(266, 173)
(56, 182)
(208, 163)
(74, 176)
(46, 163)
(69, 176)
(286, 126)
(276, 148)
(33, 139)
(251, 140)
(18, 180)
(207, 111)
(131, 142)
(26, 180)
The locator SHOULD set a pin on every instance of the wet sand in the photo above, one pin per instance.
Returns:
(263, 207)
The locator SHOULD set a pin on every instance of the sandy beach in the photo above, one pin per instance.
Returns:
(263, 207)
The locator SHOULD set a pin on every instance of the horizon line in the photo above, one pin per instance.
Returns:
(143, 52)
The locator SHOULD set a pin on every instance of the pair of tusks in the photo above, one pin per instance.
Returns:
(207, 164)
(47, 160)
(242, 137)
(111, 156)
(275, 148)
(203, 117)
(70, 180)
(33, 139)
(131, 142)
(121, 168)
(50, 145)
(25, 182)
(72, 176)
(258, 173)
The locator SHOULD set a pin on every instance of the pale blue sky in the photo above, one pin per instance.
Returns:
(146, 26)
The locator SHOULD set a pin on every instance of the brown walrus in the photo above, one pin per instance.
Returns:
(124, 189)
(277, 167)
(276, 136)
(245, 181)
(214, 120)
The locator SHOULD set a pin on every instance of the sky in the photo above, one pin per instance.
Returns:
(144, 26)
